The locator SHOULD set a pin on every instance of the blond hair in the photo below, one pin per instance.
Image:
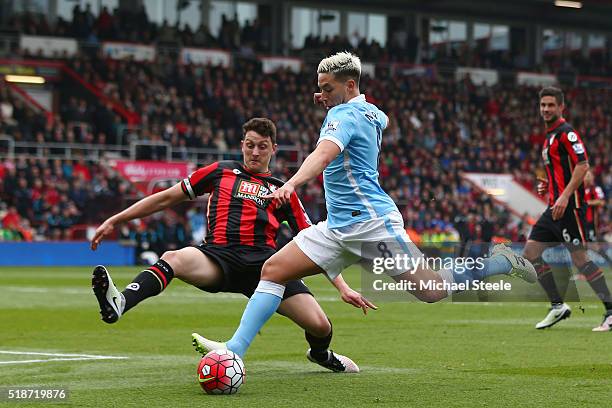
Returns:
(343, 65)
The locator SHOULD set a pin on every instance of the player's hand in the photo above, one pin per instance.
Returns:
(282, 195)
(542, 186)
(355, 298)
(559, 208)
(103, 230)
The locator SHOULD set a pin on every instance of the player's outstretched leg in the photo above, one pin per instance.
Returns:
(150, 282)
(114, 304)
(111, 301)
(520, 266)
(503, 261)
(302, 308)
(320, 353)
(288, 264)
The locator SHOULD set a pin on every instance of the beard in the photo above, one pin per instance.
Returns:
(552, 119)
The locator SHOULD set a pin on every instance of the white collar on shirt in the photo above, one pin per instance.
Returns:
(358, 98)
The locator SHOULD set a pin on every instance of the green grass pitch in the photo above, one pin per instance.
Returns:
(410, 354)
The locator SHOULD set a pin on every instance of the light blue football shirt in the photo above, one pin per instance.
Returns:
(352, 191)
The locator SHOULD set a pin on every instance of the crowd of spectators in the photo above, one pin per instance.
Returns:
(135, 26)
(438, 129)
(48, 197)
(255, 37)
(42, 199)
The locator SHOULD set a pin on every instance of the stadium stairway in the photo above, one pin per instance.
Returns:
(509, 193)
(29, 97)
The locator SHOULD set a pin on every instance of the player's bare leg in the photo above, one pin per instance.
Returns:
(290, 263)
(423, 275)
(306, 312)
(188, 264)
(193, 267)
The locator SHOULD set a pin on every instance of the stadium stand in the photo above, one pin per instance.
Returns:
(439, 128)
(252, 36)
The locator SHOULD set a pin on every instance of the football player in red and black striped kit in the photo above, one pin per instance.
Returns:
(595, 199)
(564, 221)
(241, 236)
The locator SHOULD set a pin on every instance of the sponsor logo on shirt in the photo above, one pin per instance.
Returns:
(249, 190)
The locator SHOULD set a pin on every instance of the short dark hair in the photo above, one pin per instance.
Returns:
(552, 91)
(263, 126)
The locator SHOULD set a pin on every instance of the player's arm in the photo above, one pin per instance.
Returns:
(351, 296)
(145, 207)
(198, 183)
(293, 212)
(314, 165)
(596, 202)
(577, 179)
(599, 200)
(575, 148)
(542, 186)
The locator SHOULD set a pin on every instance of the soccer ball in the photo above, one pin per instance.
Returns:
(221, 372)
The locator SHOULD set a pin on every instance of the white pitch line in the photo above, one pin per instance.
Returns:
(54, 359)
(58, 357)
(35, 353)
(176, 294)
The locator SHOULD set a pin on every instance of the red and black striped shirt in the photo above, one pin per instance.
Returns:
(592, 193)
(236, 212)
(563, 149)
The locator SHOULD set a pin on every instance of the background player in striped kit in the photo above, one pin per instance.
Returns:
(564, 221)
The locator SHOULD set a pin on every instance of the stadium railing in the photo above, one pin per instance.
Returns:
(9, 149)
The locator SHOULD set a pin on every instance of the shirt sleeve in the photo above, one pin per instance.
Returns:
(574, 146)
(294, 214)
(386, 120)
(338, 127)
(200, 181)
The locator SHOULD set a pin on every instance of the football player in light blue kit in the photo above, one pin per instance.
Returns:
(360, 214)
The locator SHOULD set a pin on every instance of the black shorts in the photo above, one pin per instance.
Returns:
(241, 266)
(569, 230)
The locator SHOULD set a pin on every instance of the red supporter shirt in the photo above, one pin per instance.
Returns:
(592, 193)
